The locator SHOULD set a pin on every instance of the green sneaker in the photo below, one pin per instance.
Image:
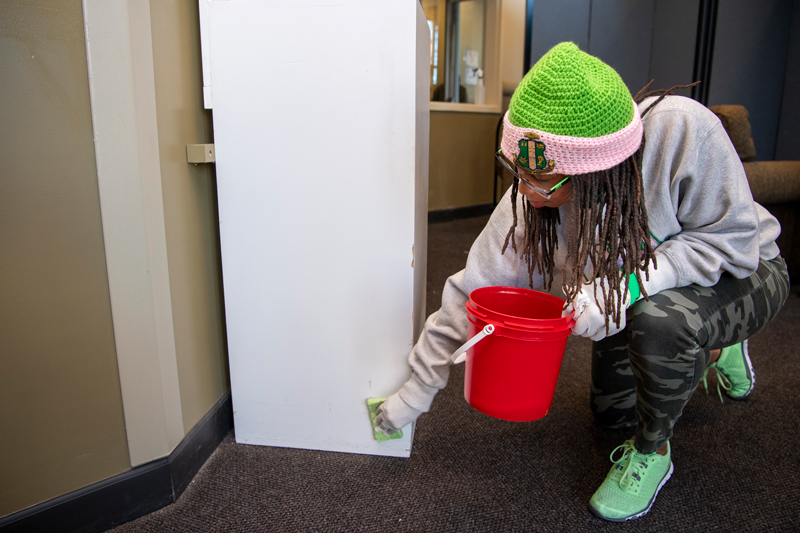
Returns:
(734, 372)
(630, 488)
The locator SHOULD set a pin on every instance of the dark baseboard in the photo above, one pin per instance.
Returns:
(133, 494)
(456, 213)
(189, 456)
(99, 506)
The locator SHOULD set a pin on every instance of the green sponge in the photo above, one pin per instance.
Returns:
(372, 405)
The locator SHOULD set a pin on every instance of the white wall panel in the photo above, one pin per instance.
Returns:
(318, 132)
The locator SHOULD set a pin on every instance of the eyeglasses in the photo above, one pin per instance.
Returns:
(512, 168)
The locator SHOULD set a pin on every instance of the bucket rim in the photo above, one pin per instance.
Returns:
(519, 323)
(521, 333)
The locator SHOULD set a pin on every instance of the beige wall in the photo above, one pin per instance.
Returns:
(61, 411)
(462, 150)
(471, 35)
(512, 43)
(189, 194)
(60, 403)
(462, 144)
(435, 11)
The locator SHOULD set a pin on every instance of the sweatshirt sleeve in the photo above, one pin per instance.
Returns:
(446, 329)
(698, 197)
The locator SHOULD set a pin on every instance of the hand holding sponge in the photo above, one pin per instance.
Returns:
(388, 415)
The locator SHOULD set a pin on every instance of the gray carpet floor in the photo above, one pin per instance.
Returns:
(736, 464)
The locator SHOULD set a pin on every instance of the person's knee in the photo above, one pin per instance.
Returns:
(668, 324)
(667, 345)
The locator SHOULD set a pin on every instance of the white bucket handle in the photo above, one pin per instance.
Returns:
(460, 355)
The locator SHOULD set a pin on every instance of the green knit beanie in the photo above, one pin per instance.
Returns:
(571, 114)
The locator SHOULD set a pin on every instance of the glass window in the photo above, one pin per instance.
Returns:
(458, 29)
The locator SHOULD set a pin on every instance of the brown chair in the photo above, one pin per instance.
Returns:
(774, 184)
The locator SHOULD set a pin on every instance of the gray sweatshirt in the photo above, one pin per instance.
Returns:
(701, 214)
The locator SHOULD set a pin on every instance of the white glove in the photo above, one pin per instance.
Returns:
(394, 414)
(590, 317)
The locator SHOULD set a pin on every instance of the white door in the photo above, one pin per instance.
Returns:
(321, 131)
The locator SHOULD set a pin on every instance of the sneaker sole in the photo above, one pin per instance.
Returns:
(649, 505)
(746, 352)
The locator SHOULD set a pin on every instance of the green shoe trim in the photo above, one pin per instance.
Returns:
(734, 371)
(633, 483)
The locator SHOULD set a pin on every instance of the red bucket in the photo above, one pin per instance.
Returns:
(512, 370)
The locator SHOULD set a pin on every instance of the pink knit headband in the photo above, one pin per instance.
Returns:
(574, 155)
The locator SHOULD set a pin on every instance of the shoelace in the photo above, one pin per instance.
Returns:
(722, 381)
(633, 470)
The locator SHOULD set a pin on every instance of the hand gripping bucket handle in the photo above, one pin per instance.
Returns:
(460, 355)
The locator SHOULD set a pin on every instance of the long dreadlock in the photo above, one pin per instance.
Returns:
(608, 227)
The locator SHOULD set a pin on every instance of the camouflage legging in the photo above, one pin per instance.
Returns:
(645, 375)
